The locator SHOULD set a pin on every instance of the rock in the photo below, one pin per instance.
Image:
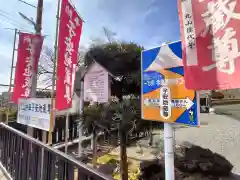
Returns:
(191, 163)
(107, 169)
(151, 170)
(198, 160)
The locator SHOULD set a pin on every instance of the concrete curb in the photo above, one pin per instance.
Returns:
(7, 175)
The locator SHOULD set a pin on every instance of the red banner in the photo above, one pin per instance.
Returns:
(68, 42)
(210, 30)
(29, 49)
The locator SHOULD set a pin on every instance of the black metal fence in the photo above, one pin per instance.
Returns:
(59, 132)
(26, 158)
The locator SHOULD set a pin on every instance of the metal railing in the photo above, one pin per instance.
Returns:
(26, 158)
(59, 132)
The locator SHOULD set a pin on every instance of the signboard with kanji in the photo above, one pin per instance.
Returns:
(35, 112)
(210, 32)
(96, 84)
(164, 96)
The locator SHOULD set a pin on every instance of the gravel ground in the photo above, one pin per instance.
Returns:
(219, 133)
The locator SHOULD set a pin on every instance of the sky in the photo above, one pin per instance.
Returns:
(146, 22)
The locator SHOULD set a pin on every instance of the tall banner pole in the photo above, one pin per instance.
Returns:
(66, 132)
(11, 74)
(81, 108)
(38, 29)
(52, 117)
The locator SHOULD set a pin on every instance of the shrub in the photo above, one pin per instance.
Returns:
(217, 95)
(107, 159)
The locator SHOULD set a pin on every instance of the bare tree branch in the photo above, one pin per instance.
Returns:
(110, 35)
(45, 68)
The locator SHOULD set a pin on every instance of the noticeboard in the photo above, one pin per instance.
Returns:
(96, 84)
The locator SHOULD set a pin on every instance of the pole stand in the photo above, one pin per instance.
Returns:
(169, 152)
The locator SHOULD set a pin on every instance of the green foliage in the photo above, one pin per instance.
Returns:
(217, 95)
(121, 60)
(110, 116)
(95, 117)
(12, 115)
(125, 114)
(133, 171)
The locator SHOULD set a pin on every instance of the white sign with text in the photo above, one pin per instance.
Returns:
(96, 84)
(35, 112)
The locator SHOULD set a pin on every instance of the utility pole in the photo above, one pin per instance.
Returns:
(38, 28)
(39, 17)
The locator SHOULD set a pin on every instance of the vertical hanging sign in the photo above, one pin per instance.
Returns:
(210, 30)
(29, 49)
(69, 36)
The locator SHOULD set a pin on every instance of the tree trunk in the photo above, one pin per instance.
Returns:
(123, 154)
(2, 117)
(94, 160)
(150, 142)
